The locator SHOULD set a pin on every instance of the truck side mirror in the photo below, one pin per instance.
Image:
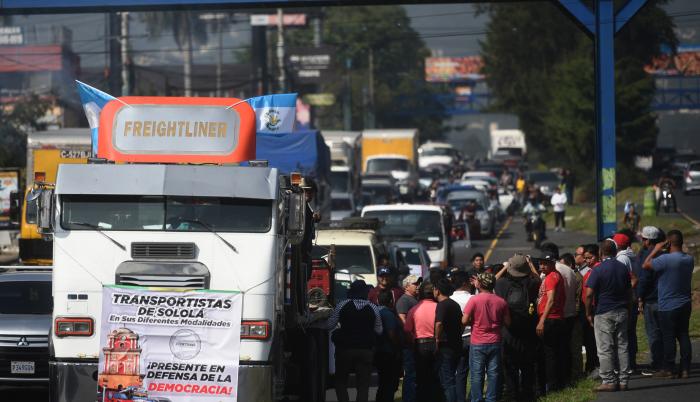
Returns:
(15, 207)
(296, 219)
(45, 211)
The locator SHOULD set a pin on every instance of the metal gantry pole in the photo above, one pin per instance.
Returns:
(605, 117)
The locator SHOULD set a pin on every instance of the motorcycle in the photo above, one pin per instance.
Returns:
(535, 228)
(667, 200)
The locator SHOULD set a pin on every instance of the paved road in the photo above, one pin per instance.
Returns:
(647, 389)
(689, 204)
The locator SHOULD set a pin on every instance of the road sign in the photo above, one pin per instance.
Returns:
(311, 65)
(320, 99)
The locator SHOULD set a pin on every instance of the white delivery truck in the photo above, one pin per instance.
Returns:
(507, 145)
(183, 226)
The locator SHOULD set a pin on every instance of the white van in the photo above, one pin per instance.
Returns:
(356, 251)
(426, 224)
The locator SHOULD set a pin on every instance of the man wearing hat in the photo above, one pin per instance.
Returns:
(358, 324)
(486, 313)
(625, 255)
(551, 300)
(385, 281)
(648, 299)
(518, 286)
(403, 305)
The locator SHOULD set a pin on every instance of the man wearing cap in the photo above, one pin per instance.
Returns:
(403, 305)
(551, 300)
(420, 326)
(385, 281)
(486, 313)
(648, 299)
(448, 333)
(360, 324)
(518, 285)
(625, 255)
(572, 285)
(609, 285)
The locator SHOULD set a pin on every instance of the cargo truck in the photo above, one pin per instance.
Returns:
(165, 223)
(393, 151)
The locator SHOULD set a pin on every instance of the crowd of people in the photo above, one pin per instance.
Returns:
(516, 330)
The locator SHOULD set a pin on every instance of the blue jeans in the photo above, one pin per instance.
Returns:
(462, 372)
(653, 330)
(674, 326)
(485, 359)
(408, 390)
(447, 360)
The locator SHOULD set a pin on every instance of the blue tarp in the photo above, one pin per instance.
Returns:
(301, 151)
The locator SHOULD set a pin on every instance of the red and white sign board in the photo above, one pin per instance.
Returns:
(257, 20)
(177, 130)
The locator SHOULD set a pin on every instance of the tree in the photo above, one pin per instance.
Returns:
(402, 98)
(15, 121)
(543, 72)
(186, 27)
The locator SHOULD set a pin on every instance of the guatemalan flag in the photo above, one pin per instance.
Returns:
(93, 101)
(275, 114)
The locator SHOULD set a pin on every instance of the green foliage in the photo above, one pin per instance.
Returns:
(539, 65)
(398, 66)
(15, 121)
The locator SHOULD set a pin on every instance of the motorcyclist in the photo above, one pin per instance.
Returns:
(666, 183)
(534, 206)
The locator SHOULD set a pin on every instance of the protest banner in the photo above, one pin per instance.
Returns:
(176, 346)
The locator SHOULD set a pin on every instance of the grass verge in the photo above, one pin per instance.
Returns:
(582, 391)
(583, 216)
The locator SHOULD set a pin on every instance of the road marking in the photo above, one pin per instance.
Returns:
(686, 216)
(495, 239)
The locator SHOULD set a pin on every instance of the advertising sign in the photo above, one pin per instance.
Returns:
(271, 20)
(175, 346)
(311, 65)
(453, 69)
(11, 36)
(686, 62)
(9, 183)
(172, 130)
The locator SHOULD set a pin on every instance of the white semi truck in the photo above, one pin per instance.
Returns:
(178, 226)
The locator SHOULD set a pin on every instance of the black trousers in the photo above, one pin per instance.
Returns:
(559, 220)
(589, 343)
(428, 387)
(553, 345)
(388, 372)
(519, 356)
(566, 350)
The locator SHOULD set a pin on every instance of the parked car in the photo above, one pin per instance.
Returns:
(691, 177)
(681, 162)
(26, 306)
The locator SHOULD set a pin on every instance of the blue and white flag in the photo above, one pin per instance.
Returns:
(93, 101)
(275, 114)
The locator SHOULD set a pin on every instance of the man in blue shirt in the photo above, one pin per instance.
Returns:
(675, 272)
(648, 300)
(611, 288)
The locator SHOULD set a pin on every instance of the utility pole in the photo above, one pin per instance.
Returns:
(280, 50)
(370, 119)
(125, 53)
(220, 59)
(347, 98)
(114, 46)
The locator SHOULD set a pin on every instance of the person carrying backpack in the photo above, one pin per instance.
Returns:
(518, 285)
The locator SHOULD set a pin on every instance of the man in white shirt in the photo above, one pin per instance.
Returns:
(558, 202)
(461, 295)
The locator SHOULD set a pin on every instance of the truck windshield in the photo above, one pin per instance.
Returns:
(437, 152)
(354, 259)
(26, 297)
(421, 226)
(339, 182)
(386, 165)
(165, 213)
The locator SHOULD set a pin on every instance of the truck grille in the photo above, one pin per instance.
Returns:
(170, 251)
(185, 282)
(24, 341)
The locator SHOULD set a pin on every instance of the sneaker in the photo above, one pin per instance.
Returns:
(663, 374)
(648, 372)
(630, 372)
(606, 388)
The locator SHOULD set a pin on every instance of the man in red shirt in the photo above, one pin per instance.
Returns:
(486, 313)
(420, 326)
(385, 280)
(550, 327)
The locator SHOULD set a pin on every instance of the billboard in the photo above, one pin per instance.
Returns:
(453, 69)
(311, 65)
(175, 346)
(686, 62)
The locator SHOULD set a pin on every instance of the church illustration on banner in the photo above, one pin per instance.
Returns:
(121, 361)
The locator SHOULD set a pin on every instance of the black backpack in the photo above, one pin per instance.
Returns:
(518, 299)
